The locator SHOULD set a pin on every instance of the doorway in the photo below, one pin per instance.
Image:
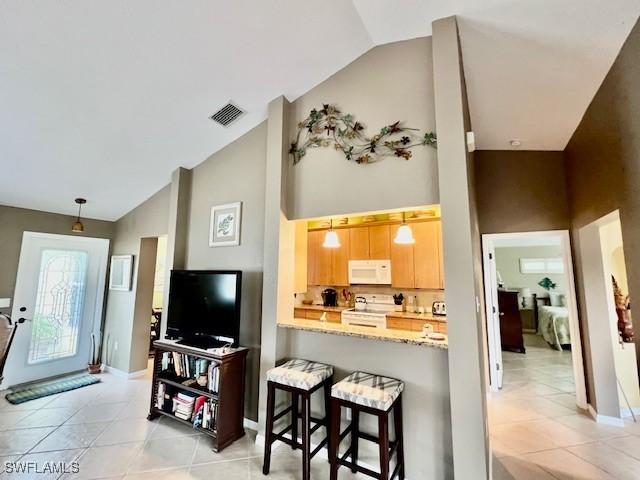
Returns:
(532, 316)
(60, 293)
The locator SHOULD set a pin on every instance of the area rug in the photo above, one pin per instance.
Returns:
(34, 390)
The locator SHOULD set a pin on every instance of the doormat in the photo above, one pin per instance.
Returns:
(35, 390)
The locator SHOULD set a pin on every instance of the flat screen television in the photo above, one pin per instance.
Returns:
(204, 307)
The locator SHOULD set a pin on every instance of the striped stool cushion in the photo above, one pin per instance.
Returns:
(301, 374)
(369, 390)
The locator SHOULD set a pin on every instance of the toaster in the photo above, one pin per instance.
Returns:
(439, 308)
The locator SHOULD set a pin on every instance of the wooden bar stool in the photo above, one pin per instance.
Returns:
(375, 395)
(301, 378)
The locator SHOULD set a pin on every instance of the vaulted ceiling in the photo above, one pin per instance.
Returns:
(104, 99)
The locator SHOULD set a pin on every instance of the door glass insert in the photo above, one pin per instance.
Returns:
(57, 316)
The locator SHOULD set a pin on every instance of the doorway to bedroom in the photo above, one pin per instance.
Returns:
(533, 332)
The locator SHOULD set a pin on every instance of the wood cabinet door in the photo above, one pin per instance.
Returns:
(313, 245)
(426, 254)
(440, 254)
(340, 259)
(402, 268)
(359, 243)
(379, 242)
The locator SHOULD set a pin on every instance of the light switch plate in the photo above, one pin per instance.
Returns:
(5, 302)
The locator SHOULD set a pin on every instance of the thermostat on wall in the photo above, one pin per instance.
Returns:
(5, 302)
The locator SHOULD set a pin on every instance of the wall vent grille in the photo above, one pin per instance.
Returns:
(227, 114)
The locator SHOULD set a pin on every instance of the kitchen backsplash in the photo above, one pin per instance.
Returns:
(425, 298)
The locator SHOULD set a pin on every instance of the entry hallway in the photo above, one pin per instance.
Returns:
(104, 428)
(538, 433)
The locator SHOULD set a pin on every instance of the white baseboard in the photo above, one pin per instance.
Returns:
(250, 424)
(625, 412)
(122, 374)
(613, 421)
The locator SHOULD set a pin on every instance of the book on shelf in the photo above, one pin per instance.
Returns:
(191, 368)
(206, 415)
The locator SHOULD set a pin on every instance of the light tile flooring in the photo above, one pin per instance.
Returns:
(104, 428)
(537, 432)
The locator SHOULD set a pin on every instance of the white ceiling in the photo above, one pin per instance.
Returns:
(104, 99)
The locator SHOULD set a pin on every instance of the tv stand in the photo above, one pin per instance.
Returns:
(202, 342)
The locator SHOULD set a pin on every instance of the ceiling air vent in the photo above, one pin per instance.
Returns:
(227, 114)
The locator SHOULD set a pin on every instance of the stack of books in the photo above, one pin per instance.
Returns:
(186, 366)
(183, 403)
(214, 377)
(206, 413)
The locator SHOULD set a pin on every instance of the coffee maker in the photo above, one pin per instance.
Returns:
(329, 297)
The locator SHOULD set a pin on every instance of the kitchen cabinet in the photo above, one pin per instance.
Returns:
(359, 243)
(327, 266)
(315, 314)
(402, 262)
(414, 324)
(340, 260)
(427, 254)
(379, 246)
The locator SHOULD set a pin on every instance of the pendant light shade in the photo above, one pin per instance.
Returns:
(404, 235)
(78, 227)
(331, 239)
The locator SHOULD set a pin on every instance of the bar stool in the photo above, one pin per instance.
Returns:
(375, 395)
(301, 378)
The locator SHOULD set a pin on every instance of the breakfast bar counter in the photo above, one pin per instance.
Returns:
(384, 334)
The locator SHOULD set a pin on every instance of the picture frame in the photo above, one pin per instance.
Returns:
(120, 272)
(225, 224)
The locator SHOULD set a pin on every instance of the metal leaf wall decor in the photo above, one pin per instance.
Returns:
(328, 127)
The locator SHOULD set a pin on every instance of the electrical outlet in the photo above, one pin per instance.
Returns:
(115, 346)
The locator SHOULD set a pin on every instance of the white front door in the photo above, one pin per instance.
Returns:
(59, 292)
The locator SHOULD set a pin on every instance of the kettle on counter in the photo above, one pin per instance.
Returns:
(361, 304)
(329, 297)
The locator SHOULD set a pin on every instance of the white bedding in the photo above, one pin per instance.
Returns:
(553, 325)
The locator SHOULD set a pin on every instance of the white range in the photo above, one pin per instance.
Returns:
(371, 310)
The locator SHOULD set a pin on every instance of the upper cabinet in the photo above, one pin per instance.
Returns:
(412, 266)
(427, 254)
(328, 266)
(402, 262)
(379, 247)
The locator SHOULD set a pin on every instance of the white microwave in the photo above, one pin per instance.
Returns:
(370, 272)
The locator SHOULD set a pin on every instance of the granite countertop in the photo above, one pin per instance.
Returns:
(386, 334)
(321, 308)
(419, 316)
(414, 316)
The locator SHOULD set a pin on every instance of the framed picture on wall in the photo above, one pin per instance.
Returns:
(120, 272)
(225, 223)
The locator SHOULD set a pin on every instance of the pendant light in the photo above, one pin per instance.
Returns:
(78, 227)
(331, 239)
(404, 235)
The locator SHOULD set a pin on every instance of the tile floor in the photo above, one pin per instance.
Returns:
(104, 428)
(537, 432)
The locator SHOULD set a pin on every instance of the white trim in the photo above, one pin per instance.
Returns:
(493, 327)
(626, 413)
(250, 424)
(121, 373)
(613, 421)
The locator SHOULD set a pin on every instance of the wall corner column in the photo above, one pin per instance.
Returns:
(177, 231)
(463, 293)
(277, 290)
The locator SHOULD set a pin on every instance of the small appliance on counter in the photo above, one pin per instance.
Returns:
(361, 304)
(439, 308)
(329, 297)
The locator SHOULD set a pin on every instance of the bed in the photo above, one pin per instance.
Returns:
(553, 325)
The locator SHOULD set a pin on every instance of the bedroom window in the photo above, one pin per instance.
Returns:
(541, 265)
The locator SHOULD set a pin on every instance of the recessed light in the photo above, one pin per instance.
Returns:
(515, 143)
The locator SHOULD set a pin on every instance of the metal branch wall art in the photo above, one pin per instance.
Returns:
(329, 126)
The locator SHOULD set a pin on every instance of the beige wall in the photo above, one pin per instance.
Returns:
(15, 221)
(122, 349)
(233, 174)
(602, 162)
(508, 264)
(521, 191)
(389, 83)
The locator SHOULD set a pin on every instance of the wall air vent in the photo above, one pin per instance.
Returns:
(227, 114)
